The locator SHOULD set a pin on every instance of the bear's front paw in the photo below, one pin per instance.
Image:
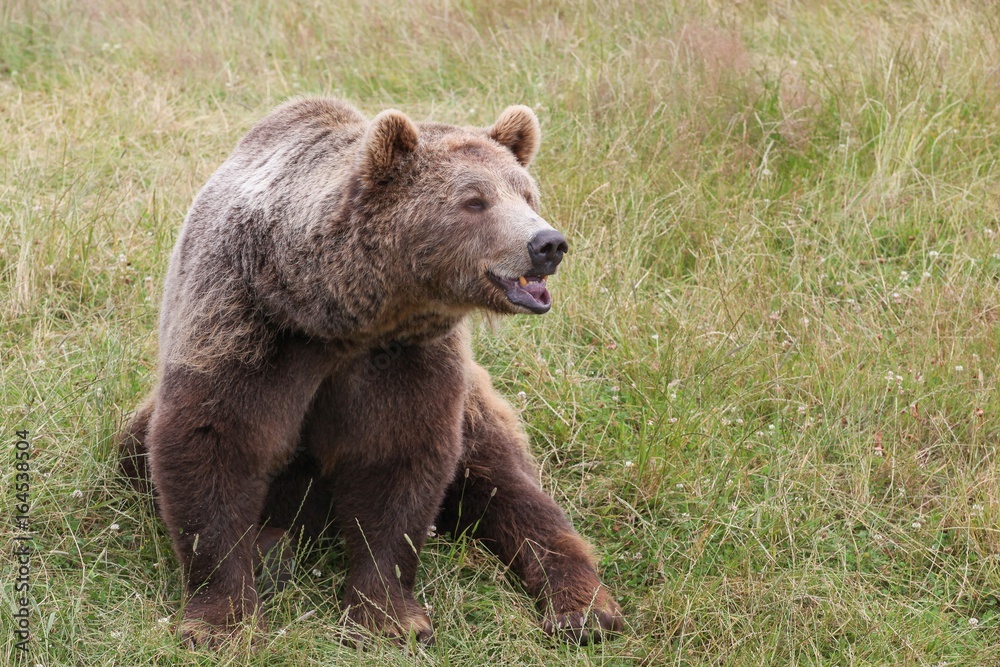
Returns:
(212, 625)
(589, 625)
(196, 633)
(412, 621)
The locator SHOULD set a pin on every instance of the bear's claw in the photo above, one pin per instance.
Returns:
(364, 622)
(586, 626)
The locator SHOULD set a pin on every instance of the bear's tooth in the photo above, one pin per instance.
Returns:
(523, 281)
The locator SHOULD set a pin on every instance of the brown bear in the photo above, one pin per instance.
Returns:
(315, 370)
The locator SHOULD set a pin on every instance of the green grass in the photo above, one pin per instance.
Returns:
(767, 389)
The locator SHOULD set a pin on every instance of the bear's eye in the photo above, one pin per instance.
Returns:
(475, 204)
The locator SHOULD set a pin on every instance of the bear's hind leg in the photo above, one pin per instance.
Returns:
(496, 498)
(132, 452)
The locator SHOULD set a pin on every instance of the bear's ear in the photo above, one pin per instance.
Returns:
(391, 137)
(518, 129)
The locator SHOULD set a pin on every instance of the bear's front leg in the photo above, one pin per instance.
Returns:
(387, 434)
(210, 497)
(496, 498)
(214, 443)
(384, 513)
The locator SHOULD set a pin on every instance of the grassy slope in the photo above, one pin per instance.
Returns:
(767, 389)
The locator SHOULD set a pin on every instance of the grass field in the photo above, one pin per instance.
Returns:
(767, 389)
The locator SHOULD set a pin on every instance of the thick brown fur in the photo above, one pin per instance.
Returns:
(315, 370)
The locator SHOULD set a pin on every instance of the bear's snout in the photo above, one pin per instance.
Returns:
(546, 249)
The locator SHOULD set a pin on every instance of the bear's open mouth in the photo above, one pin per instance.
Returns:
(525, 291)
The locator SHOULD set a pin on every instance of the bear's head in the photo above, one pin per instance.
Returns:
(463, 209)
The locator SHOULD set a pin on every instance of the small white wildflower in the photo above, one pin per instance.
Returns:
(904, 275)
(959, 368)
(629, 464)
(122, 258)
(522, 396)
(317, 572)
(679, 485)
(916, 525)
(673, 396)
(162, 620)
(77, 494)
(988, 231)
(933, 253)
(114, 527)
(655, 336)
(973, 622)
(672, 420)
(802, 410)
(770, 427)
(739, 421)
(775, 315)
(925, 274)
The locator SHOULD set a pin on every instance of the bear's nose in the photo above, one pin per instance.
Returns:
(546, 250)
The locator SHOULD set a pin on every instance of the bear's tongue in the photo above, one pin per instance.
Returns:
(530, 292)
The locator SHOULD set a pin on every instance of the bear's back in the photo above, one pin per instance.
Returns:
(301, 120)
